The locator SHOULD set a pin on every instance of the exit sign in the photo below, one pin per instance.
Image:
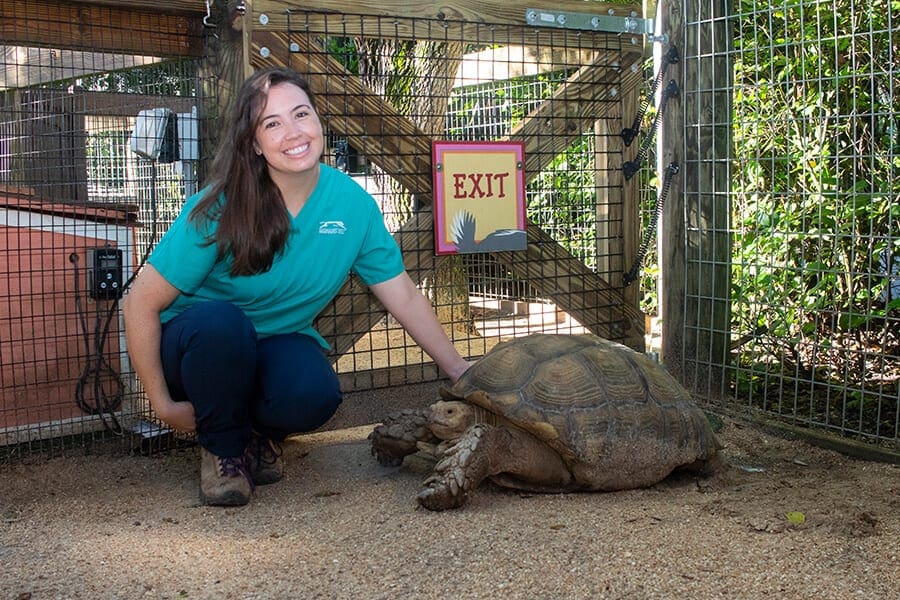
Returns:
(479, 196)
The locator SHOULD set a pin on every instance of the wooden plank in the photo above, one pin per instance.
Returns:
(672, 227)
(510, 12)
(374, 126)
(118, 27)
(706, 80)
(508, 62)
(25, 199)
(26, 66)
(192, 8)
(109, 103)
(460, 20)
(618, 214)
(506, 12)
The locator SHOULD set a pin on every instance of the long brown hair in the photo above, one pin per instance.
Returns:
(253, 222)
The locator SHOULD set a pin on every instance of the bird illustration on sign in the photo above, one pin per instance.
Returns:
(462, 232)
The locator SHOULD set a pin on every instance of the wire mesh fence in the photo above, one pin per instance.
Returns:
(814, 197)
(805, 192)
(386, 87)
(484, 82)
(79, 208)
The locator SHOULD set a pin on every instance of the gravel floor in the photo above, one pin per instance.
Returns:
(341, 526)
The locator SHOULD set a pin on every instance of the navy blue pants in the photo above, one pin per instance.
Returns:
(279, 385)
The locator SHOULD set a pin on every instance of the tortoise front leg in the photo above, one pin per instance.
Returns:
(400, 435)
(514, 457)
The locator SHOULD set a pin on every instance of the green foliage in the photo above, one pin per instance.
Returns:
(561, 198)
(169, 78)
(816, 142)
(816, 209)
(344, 51)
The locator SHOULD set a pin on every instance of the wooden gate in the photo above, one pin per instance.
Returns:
(599, 73)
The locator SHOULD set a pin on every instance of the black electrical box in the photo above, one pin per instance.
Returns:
(105, 273)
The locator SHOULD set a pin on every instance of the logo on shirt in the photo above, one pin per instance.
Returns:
(332, 228)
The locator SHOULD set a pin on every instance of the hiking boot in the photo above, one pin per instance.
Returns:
(224, 481)
(264, 460)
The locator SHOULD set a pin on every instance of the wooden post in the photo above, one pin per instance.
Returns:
(694, 236)
(631, 201)
(222, 73)
(245, 23)
(669, 21)
(618, 200)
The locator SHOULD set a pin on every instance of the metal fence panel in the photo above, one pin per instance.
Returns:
(814, 200)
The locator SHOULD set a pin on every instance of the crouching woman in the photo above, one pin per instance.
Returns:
(219, 322)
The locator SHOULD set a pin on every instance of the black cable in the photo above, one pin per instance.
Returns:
(97, 365)
(632, 274)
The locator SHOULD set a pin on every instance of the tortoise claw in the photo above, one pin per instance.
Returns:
(449, 485)
(399, 436)
(433, 499)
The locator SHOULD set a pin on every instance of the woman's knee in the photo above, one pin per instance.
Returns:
(299, 390)
(211, 336)
(218, 328)
(307, 406)
(218, 322)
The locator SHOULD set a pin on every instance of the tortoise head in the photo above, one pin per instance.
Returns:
(448, 419)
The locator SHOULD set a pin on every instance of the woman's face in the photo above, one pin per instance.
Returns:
(289, 134)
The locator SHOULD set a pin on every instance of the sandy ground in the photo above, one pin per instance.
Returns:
(112, 525)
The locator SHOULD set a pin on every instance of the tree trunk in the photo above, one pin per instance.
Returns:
(435, 63)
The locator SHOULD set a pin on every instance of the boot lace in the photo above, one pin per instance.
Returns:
(232, 466)
(263, 450)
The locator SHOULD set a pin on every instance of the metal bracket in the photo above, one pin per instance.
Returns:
(539, 17)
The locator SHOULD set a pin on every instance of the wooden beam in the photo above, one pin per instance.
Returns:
(194, 8)
(706, 201)
(109, 103)
(89, 27)
(509, 62)
(245, 23)
(472, 15)
(27, 66)
(405, 28)
(510, 12)
(618, 200)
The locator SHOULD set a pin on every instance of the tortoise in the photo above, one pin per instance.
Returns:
(552, 413)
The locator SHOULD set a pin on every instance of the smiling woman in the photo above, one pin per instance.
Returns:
(289, 137)
(219, 323)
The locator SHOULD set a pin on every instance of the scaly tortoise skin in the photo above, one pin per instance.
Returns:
(552, 413)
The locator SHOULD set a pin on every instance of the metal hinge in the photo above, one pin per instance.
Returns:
(539, 17)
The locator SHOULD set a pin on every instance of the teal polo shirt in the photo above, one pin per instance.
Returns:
(339, 231)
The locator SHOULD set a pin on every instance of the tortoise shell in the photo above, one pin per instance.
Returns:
(616, 417)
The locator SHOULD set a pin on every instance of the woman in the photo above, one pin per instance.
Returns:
(219, 321)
